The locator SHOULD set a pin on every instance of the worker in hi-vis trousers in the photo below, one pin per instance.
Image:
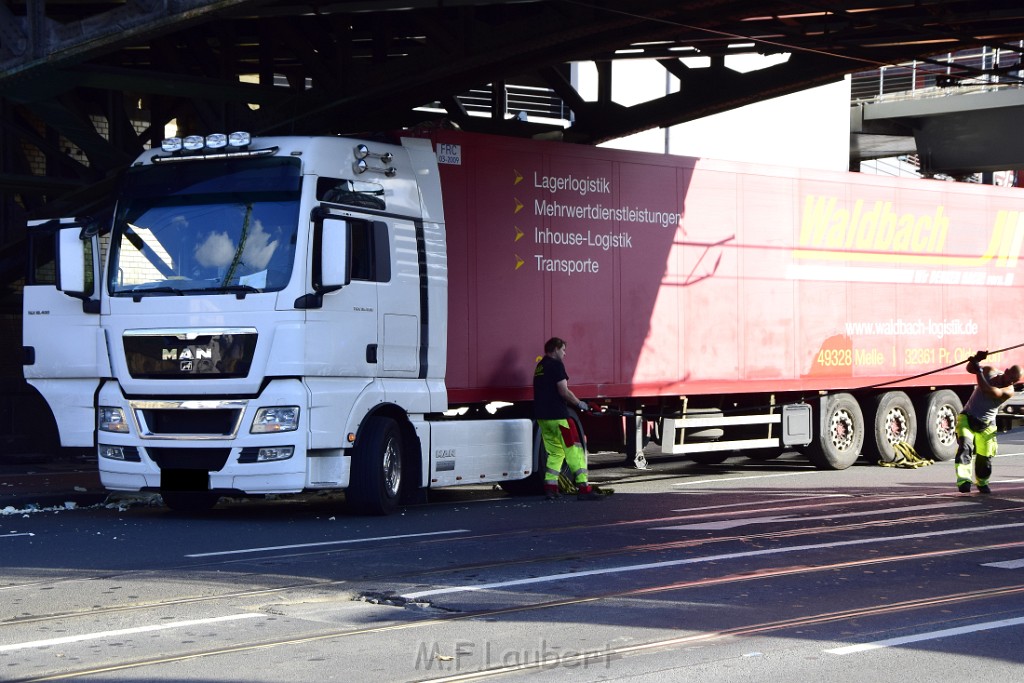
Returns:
(551, 400)
(976, 425)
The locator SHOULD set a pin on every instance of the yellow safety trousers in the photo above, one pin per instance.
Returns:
(974, 456)
(563, 445)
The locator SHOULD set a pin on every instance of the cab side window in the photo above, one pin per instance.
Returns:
(371, 251)
(42, 259)
(359, 193)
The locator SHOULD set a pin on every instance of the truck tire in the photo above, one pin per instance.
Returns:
(895, 420)
(937, 425)
(840, 434)
(706, 434)
(375, 485)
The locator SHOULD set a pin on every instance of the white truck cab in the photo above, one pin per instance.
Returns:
(262, 316)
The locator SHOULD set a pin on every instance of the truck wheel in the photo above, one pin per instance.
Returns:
(705, 434)
(938, 424)
(840, 434)
(376, 479)
(895, 421)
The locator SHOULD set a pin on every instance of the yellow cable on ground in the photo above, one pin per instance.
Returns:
(906, 457)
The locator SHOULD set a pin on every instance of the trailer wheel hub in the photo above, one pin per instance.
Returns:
(896, 427)
(842, 430)
(945, 425)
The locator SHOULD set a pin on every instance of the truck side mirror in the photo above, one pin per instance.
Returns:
(335, 247)
(71, 262)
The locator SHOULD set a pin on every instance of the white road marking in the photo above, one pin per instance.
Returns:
(23, 533)
(733, 523)
(1009, 564)
(742, 478)
(724, 524)
(324, 543)
(933, 635)
(698, 560)
(124, 632)
(751, 503)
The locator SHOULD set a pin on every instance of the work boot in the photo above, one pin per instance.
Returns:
(964, 487)
(587, 492)
(983, 488)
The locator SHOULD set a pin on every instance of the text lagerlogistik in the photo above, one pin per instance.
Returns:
(595, 211)
(581, 186)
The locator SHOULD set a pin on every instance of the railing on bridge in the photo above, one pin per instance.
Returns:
(955, 74)
(984, 68)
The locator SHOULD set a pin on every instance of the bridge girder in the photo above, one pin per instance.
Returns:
(86, 85)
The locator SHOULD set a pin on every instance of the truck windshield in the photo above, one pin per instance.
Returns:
(201, 227)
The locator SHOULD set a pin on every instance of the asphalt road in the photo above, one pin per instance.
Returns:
(744, 571)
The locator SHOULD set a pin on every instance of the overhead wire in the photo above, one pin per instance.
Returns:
(751, 409)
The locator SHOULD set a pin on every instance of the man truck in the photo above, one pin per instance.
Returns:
(285, 314)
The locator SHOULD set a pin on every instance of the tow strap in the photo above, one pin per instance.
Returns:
(566, 485)
(906, 457)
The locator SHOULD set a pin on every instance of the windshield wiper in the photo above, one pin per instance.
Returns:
(138, 292)
(238, 290)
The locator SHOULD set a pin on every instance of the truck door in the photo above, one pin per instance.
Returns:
(343, 323)
(400, 298)
(64, 352)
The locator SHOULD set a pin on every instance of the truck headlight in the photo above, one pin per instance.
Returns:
(251, 454)
(109, 419)
(275, 419)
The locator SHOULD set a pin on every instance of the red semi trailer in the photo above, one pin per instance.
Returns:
(283, 314)
(720, 291)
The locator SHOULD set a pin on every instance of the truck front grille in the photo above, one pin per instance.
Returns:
(198, 419)
(220, 353)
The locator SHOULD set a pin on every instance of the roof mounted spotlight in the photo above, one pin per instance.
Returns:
(360, 166)
(171, 144)
(363, 152)
(212, 146)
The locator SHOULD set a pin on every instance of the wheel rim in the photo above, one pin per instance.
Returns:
(392, 465)
(841, 429)
(896, 426)
(945, 425)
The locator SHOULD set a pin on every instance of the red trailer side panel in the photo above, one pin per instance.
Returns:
(673, 275)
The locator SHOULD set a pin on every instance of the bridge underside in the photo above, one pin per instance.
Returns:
(954, 132)
(85, 86)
